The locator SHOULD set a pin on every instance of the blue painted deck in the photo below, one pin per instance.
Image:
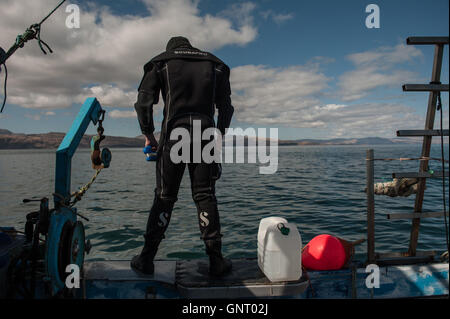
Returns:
(395, 282)
(115, 279)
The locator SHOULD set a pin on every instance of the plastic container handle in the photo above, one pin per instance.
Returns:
(283, 229)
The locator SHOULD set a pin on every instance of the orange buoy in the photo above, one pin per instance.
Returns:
(324, 252)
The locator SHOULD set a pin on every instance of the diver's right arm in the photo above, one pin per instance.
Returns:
(148, 96)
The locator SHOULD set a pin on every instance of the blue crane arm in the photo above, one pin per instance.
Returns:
(89, 112)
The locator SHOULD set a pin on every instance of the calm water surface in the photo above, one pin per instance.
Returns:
(320, 188)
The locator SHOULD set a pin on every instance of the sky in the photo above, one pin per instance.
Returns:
(312, 69)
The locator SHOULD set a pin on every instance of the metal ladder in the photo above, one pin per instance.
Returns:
(412, 255)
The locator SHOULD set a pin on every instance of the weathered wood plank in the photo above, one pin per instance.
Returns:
(427, 40)
(404, 260)
(422, 132)
(405, 254)
(419, 175)
(425, 87)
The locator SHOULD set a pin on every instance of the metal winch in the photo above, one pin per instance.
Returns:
(55, 238)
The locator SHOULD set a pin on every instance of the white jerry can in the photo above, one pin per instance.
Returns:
(279, 249)
(263, 225)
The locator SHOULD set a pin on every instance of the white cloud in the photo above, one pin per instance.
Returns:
(360, 82)
(35, 117)
(264, 95)
(278, 18)
(110, 96)
(386, 55)
(368, 119)
(241, 13)
(107, 53)
(31, 100)
(377, 68)
(117, 114)
(292, 97)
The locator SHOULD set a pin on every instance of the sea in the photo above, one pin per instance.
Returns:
(319, 188)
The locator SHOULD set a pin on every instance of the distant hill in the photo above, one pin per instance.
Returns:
(350, 141)
(10, 140)
(5, 132)
(52, 140)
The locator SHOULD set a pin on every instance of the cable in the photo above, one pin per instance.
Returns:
(4, 88)
(439, 108)
(57, 7)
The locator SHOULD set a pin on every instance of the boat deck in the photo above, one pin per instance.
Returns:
(187, 279)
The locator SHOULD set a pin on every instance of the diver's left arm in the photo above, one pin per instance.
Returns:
(223, 99)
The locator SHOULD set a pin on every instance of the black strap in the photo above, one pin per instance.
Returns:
(439, 107)
(439, 103)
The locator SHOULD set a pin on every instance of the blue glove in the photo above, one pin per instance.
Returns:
(150, 152)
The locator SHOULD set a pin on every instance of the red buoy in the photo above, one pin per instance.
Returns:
(324, 252)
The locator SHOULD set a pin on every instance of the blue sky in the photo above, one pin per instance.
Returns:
(310, 68)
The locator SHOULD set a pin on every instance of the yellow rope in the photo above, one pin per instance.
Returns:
(79, 194)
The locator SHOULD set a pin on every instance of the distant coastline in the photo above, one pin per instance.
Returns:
(10, 140)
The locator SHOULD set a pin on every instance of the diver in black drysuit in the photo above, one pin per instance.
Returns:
(192, 83)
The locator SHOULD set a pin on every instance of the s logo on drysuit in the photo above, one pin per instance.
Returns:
(204, 219)
(163, 220)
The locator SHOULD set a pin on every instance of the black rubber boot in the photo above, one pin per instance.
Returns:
(144, 261)
(218, 265)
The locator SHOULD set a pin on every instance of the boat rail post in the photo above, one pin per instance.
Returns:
(370, 207)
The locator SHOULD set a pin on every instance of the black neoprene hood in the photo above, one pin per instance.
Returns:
(177, 42)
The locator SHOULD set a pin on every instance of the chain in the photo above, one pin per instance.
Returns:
(100, 129)
(96, 140)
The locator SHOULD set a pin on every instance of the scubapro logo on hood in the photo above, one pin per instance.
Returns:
(190, 52)
(204, 219)
(163, 219)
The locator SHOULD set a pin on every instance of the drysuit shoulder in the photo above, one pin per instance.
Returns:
(150, 65)
(185, 53)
